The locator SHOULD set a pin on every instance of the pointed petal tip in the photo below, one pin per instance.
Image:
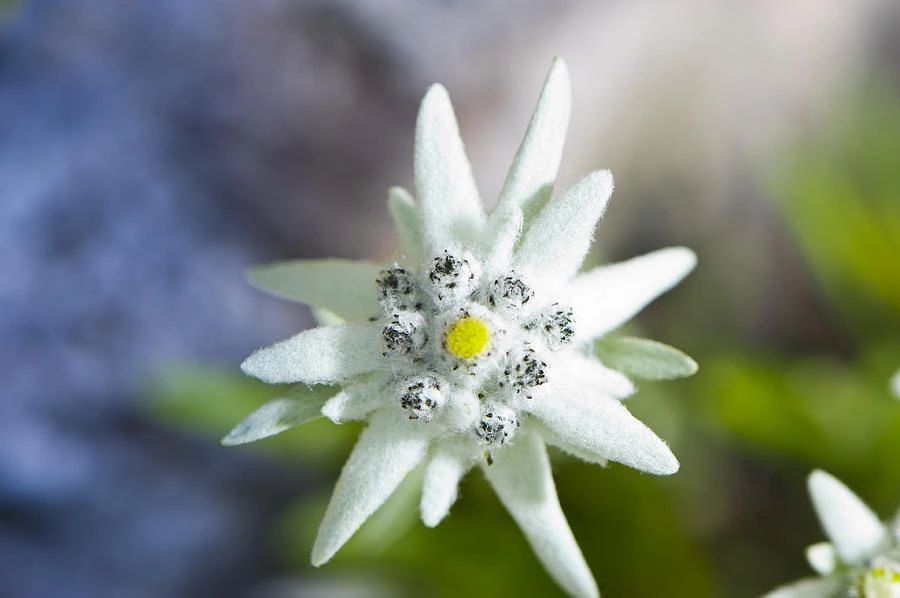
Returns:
(602, 178)
(822, 558)
(817, 477)
(603, 185)
(559, 62)
(432, 514)
(431, 520)
(251, 366)
(657, 458)
(675, 467)
(397, 193)
(319, 557)
(436, 93)
(686, 256)
(694, 366)
(822, 486)
(332, 411)
(559, 74)
(260, 367)
(435, 107)
(668, 465)
(228, 441)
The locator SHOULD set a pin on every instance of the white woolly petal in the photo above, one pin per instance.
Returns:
(450, 462)
(522, 479)
(807, 588)
(574, 369)
(407, 224)
(895, 385)
(319, 356)
(451, 208)
(345, 287)
(643, 358)
(608, 296)
(500, 237)
(855, 531)
(822, 558)
(386, 451)
(529, 182)
(298, 406)
(357, 401)
(583, 420)
(555, 243)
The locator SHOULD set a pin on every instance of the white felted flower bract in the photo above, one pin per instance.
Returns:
(477, 345)
(863, 557)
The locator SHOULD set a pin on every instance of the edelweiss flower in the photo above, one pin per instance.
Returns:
(477, 346)
(863, 558)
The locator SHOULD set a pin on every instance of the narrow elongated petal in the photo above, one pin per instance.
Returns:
(558, 238)
(855, 531)
(643, 358)
(530, 180)
(895, 385)
(608, 296)
(522, 479)
(407, 223)
(319, 356)
(345, 287)
(580, 418)
(807, 588)
(822, 558)
(574, 369)
(357, 401)
(300, 405)
(449, 463)
(500, 237)
(451, 207)
(386, 451)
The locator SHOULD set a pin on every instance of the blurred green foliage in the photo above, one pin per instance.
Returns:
(748, 428)
(840, 195)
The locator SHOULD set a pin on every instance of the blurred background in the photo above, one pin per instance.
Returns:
(150, 151)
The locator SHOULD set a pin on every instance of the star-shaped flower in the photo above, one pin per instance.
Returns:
(863, 558)
(479, 345)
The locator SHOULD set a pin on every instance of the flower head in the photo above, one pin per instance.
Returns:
(863, 558)
(478, 345)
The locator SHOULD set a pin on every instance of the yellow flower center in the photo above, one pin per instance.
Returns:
(467, 337)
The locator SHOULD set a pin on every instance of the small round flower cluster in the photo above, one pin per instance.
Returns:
(472, 334)
(881, 579)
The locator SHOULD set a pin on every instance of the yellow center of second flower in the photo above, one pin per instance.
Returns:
(467, 338)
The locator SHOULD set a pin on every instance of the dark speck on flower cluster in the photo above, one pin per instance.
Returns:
(421, 398)
(404, 333)
(496, 425)
(558, 325)
(452, 276)
(509, 291)
(523, 371)
(396, 287)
